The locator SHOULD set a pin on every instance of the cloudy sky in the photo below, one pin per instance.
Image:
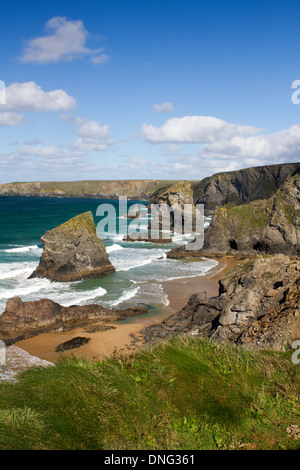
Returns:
(159, 89)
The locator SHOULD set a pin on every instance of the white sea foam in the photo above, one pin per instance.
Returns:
(153, 292)
(115, 247)
(128, 294)
(22, 249)
(16, 270)
(75, 298)
(20, 291)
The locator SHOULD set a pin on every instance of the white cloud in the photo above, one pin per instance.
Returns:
(67, 42)
(10, 119)
(194, 129)
(171, 149)
(29, 96)
(100, 59)
(91, 136)
(225, 147)
(165, 107)
(92, 130)
(39, 151)
(282, 146)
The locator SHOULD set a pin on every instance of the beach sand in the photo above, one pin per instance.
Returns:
(125, 337)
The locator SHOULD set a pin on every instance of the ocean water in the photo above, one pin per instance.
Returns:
(140, 266)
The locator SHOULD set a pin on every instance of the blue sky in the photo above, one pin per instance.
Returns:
(146, 89)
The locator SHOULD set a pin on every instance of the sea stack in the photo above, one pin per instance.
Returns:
(73, 251)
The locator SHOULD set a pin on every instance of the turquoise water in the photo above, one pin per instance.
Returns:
(140, 267)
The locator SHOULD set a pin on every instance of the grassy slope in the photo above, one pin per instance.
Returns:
(183, 394)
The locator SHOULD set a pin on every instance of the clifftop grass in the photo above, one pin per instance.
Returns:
(246, 217)
(182, 394)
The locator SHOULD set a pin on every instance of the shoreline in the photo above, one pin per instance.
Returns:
(126, 337)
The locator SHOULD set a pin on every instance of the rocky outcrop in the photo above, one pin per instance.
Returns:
(265, 226)
(148, 237)
(258, 306)
(25, 319)
(172, 211)
(73, 251)
(175, 209)
(241, 186)
(133, 212)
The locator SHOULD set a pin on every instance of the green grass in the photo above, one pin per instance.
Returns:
(182, 394)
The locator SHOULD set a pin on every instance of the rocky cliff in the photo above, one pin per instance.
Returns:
(269, 226)
(133, 189)
(73, 251)
(175, 209)
(241, 186)
(258, 307)
(25, 319)
(176, 198)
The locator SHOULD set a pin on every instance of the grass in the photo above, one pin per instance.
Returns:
(248, 217)
(182, 394)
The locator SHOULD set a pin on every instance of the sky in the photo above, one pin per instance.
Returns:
(151, 89)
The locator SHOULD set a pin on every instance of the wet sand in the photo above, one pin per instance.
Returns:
(125, 337)
(180, 290)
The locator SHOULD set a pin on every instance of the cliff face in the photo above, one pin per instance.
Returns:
(270, 226)
(73, 251)
(258, 307)
(177, 203)
(134, 189)
(242, 186)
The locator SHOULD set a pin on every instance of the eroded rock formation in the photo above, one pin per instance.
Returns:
(258, 306)
(242, 186)
(73, 251)
(265, 226)
(25, 319)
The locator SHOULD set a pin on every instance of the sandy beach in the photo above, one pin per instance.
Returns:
(125, 337)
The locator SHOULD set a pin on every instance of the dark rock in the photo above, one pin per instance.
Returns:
(258, 306)
(73, 251)
(174, 209)
(148, 237)
(241, 186)
(72, 343)
(25, 319)
(265, 226)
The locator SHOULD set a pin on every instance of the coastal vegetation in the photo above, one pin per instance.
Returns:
(180, 394)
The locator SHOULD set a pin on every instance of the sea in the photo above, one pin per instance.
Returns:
(140, 266)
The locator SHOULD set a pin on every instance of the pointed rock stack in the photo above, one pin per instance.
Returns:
(73, 251)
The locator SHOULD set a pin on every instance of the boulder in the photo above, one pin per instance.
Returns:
(72, 343)
(73, 251)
